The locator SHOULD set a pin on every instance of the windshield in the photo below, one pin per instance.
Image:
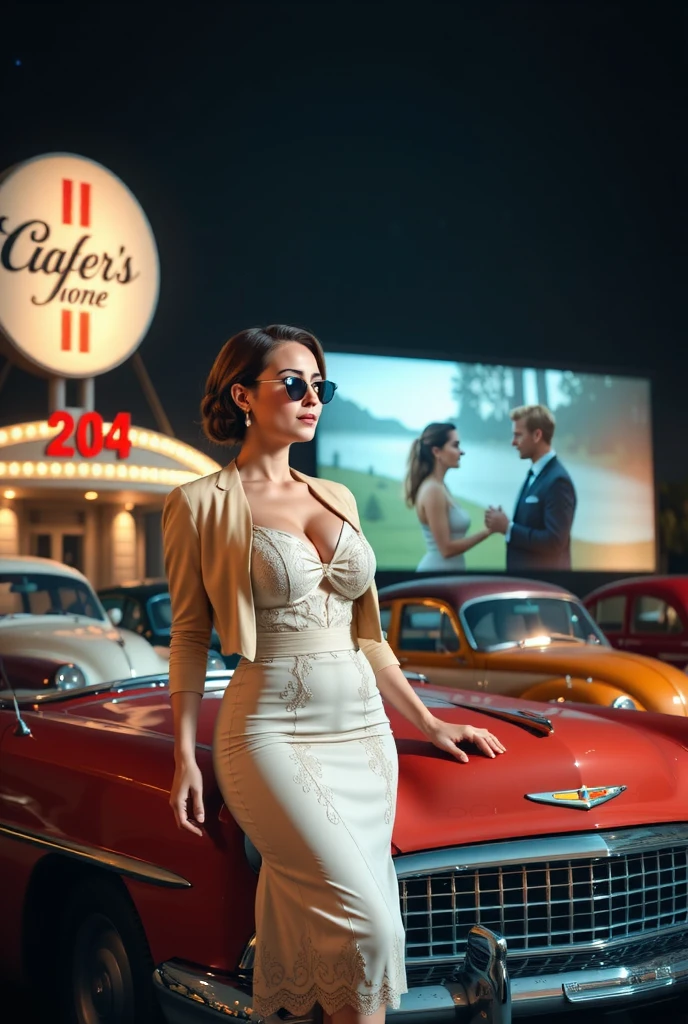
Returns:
(508, 620)
(29, 593)
(160, 611)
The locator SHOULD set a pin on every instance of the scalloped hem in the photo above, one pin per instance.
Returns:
(364, 1003)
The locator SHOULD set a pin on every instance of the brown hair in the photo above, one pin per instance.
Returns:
(537, 417)
(240, 361)
(421, 461)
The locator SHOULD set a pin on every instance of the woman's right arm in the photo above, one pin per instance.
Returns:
(435, 507)
(189, 643)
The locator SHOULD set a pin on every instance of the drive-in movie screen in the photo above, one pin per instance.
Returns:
(600, 453)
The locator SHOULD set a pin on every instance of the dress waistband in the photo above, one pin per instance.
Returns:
(305, 641)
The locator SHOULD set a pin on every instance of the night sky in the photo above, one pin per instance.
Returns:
(479, 180)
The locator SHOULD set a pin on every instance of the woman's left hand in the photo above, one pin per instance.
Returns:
(447, 737)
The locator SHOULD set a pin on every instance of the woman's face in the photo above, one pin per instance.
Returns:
(274, 414)
(449, 455)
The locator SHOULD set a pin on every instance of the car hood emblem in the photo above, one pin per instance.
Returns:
(582, 799)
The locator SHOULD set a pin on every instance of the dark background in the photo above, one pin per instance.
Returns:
(500, 181)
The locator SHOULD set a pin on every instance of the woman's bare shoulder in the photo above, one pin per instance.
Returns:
(431, 487)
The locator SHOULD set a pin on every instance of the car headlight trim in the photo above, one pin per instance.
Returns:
(69, 677)
(625, 703)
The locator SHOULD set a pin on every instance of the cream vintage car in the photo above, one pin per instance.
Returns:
(50, 611)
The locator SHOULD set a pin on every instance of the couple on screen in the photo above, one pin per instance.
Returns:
(538, 535)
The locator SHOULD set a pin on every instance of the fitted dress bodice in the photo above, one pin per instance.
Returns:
(294, 590)
(434, 560)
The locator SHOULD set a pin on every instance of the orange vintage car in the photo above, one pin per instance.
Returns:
(523, 638)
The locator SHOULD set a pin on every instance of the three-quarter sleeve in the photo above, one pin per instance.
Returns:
(379, 654)
(191, 611)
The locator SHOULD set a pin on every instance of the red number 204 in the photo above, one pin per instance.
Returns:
(89, 436)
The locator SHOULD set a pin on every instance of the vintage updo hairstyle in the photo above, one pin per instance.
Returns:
(240, 361)
(421, 461)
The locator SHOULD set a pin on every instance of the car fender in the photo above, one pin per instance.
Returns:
(582, 691)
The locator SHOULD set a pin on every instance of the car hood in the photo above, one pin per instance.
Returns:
(444, 803)
(102, 652)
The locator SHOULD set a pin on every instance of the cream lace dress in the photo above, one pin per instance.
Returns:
(306, 762)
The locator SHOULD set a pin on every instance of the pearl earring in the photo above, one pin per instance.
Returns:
(248, 418)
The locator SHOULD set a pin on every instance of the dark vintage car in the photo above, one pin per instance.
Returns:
(143, 606)
(646, 615)
(566, 859)
(523, 638)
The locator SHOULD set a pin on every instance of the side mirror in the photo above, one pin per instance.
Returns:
(115, 616)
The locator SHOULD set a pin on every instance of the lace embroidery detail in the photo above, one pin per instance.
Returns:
(347, 973)
(269, 572)
(284, 569)
(297, 693)
(374, 746)
(309, 774)
(380, 764)
(269, 968)
(363, 691)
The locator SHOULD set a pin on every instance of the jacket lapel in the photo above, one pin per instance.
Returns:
(535, 486)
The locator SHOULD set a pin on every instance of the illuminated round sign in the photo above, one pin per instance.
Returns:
(79, 271)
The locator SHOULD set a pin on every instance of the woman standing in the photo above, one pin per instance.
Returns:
(303, 751)
(443, 522)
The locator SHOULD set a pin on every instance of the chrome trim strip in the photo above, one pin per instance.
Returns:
(522, 851)
(653, 837)
(215, 680)
(118, 863)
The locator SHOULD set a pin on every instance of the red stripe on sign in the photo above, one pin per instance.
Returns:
(84, 327)
(66, 330)
(85, 205)
(66, 201)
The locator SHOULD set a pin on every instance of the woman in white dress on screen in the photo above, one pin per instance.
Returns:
(444, 523)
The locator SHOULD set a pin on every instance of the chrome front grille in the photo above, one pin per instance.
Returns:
(557, 913)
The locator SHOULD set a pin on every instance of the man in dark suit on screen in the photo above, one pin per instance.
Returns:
(539, 535)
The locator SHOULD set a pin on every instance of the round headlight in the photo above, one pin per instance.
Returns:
(69, 677)
(627, 703)
(215, 662)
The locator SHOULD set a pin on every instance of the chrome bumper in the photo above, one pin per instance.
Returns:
(481, 992)
(661, 978)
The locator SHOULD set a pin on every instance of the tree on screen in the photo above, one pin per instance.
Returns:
(605, 415)
(484, 396)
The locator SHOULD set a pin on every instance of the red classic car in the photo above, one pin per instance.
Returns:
(573, 847)
(645, 615)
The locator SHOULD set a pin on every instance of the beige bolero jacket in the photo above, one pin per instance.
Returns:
(207, 537)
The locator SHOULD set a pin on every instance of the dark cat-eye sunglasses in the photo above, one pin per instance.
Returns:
(297, 387)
